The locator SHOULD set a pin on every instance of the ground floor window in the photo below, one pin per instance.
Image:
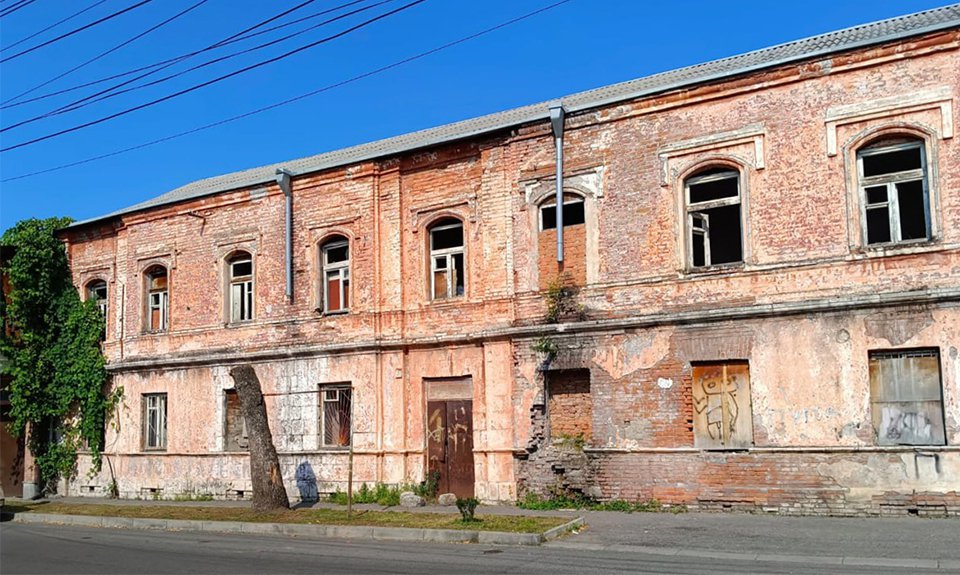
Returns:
(722, 416)
(234, 424)
(335, 415)
(155, 421)
(906, 397)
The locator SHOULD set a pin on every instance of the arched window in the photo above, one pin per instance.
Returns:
(157, 298)
(894, 191)
(97, 291)
(447, 274)
(714, 230)
(573, 213)
(240, 287)
(335, 274)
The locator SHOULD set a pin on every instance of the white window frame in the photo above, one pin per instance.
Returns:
(240, 290)
(157, 299)
(890, 181)
(155, 405)
(327, 397)
(92, 287)
(447, 254)
(697, 210)
(339, 269)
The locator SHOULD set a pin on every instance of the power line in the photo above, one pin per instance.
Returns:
(14, 7)
(180, 59)
(76, 106)
(213, 81)
(54, 25)
(114, 49)
(72, 32)
(288, 101)
(235, 38)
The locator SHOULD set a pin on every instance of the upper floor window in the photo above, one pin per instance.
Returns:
(240, 287)
(335, 264)
(714, 229)
(97, 291)
(446, 259)
(157, 298)
(894, 192)
(573, 214)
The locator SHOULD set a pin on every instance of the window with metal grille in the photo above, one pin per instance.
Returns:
(335, 265)
(335, 415)
(906, 397)
(155, 421)
(157, 299)
(714, 230)
(894, 193)
(446, 259)
(240, 295)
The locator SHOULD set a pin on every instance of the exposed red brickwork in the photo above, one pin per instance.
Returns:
(573, 269)
(570, 405)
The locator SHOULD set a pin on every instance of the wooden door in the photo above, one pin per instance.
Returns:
(450, 445)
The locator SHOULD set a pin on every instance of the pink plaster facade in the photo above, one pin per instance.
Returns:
(808, 304)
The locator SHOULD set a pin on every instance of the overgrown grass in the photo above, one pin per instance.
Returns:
(561, 501)
(514, 524)
(386, 495)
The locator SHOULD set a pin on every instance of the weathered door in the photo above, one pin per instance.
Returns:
(11, 457)
(450, 445)
(721, 403)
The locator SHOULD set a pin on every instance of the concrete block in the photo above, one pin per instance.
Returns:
(450, 536)
(223, 526)
(398, 533)
(503, 538)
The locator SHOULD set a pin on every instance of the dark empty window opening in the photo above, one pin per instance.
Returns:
(573, 214)
(715, 232)
(335, 415)
(893, 182)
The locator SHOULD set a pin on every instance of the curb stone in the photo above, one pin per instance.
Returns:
(933, 564)
(306, 529)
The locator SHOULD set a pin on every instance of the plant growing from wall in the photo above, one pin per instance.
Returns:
(51, 342)
(561, 298)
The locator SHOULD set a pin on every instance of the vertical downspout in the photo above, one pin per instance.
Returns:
(557, 113)
(283, 180)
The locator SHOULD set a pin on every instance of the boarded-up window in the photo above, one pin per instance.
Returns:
(234, 424)
(721, 404)
(335, 403)
(906, 397)
(155, 421)
(569, 404)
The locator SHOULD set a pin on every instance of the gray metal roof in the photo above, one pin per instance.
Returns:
(832, 42)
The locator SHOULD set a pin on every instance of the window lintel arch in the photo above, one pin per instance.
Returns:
(711, 163)
(443, 218)
(889, 131)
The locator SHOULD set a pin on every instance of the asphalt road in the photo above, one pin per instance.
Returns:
(60, 549)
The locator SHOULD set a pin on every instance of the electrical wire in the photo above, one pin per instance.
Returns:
(213, 81)
(114, 49)
(54, 25)
(288, 101)
(7, 103)
(14, 7)
(76, 31)
(81, 104)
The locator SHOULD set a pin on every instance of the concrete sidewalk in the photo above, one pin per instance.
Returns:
(908, 542)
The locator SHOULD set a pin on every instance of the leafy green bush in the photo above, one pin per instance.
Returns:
(467, 508)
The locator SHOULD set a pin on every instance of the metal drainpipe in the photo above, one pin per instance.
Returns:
(283, 180)
(557, 113)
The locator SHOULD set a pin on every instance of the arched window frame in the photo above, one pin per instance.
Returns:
(881, 193)
(446, 265)
(335, 258)
(572, 199)
(240, 273)
(696, 221)
(156, 290)
(97, 290)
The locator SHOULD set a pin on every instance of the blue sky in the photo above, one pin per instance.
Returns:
(580, 45)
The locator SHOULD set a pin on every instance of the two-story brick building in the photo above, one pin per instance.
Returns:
(763, 312)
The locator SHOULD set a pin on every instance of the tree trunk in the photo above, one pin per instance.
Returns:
(269, 493)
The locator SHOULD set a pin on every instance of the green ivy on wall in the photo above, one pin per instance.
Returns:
(58, 386)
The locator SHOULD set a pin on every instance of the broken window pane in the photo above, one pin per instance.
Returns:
(445, 237)
(573, 215)
(913, 219)
(335, 415)
(234, 424)
(906, 397)
(714, 226)
(337, 253)
(457, 273)
(447, 277)
(897, 160)
(878, 225)
(242, 268)
(721, 403)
